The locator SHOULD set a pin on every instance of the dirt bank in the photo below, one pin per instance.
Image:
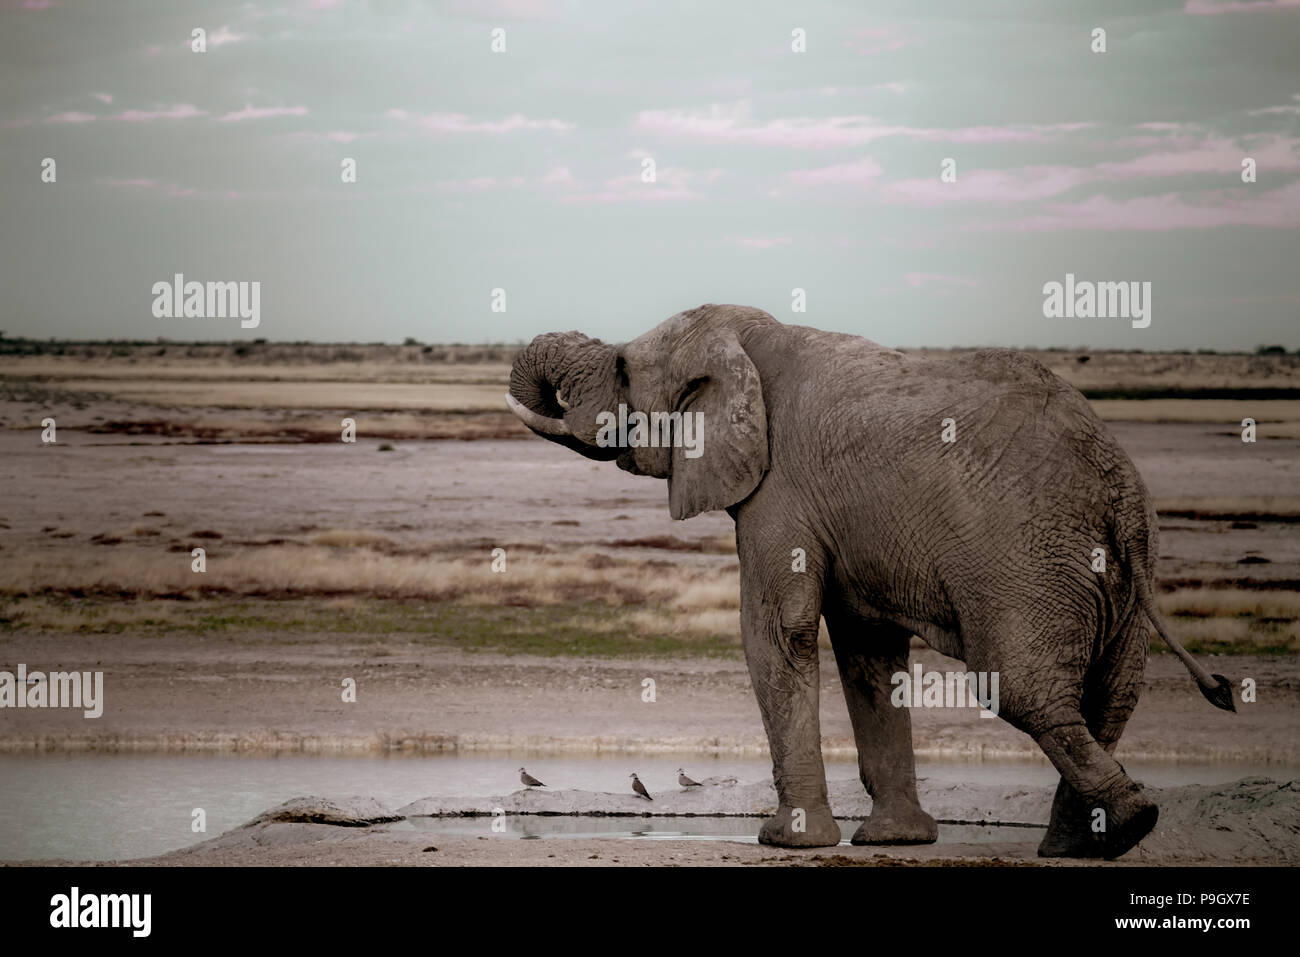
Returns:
(1252, 821)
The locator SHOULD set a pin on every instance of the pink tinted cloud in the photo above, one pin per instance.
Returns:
(460, 123)
(131, 183)
(919, 279)
(70, 116)
(223, 35)
(181, 111)
(1212, 155)
(560, 177)
(859, 173)
(672, 185)
(1206, 8)
(986, 186)
(1272, 209)
(171, 189)
(261, 113)
(869, 41)
(1031, 183)
(478, 184)
(39, 4)
(733, 123)
(761, 242)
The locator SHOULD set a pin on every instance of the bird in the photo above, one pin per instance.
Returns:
(686, 782)
(529, 780)
(639, 788)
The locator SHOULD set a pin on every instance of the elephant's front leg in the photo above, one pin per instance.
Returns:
(780, 637)
(869, 654)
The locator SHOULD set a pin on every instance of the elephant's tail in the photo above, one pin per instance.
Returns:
(1216, 688)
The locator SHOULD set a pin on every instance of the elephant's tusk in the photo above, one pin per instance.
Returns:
(538, 423)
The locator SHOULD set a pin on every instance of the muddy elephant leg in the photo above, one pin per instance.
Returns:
(869, 653)
(779, 625)
(1058, 726)
(1110, 694)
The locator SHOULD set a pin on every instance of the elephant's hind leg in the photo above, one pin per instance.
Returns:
(869, 653)
(1043, 697)
(1110, 694)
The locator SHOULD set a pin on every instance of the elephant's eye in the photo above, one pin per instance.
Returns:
(691, 392)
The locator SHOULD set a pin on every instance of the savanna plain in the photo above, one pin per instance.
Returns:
(374, 560)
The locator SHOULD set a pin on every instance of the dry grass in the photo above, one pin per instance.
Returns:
(1274, 417)
(344, 569)
(241, 394)
(351, 538)
(1280, 507)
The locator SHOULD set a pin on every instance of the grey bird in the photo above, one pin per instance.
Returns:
(639, 788)
(686, 782)
(529, 780)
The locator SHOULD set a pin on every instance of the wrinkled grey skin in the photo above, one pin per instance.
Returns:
(983, 547)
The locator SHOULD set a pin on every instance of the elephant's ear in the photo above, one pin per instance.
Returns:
(722, 394)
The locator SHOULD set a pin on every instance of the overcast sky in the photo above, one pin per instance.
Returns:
(774, 169)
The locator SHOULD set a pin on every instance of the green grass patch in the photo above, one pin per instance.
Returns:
(573, 628)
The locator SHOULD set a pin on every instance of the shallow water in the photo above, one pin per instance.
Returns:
(105, 807)
(743, 829)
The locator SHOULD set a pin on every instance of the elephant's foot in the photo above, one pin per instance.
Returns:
(1128, 820)
(900, 823)
(800, 827)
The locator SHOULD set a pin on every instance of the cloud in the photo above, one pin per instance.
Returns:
(1020, 185)
(478, 184)
(732, 123)
(1272, 209)
(39, 4)
(180, 111)
(171, 189)
(223, 35)
(761, 242)
(103, 97)
(1205, 8)
(1291, 108)
(460, 123)
(261, 113)
(560, 177)
(859, 173)
(918, 279)
(1031, 183)
(506, 9)
(70, 117)
(672, 185)
(1213, 155)
(869, 41)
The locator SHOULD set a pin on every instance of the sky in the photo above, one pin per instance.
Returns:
(795, 146)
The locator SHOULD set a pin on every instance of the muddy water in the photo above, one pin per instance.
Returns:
(105, 807)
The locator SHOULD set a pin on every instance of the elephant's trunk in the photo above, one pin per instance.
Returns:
(558, 385)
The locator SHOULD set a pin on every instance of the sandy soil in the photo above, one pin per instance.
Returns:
(252, 693)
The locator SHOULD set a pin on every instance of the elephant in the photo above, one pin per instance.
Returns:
(962, 499)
